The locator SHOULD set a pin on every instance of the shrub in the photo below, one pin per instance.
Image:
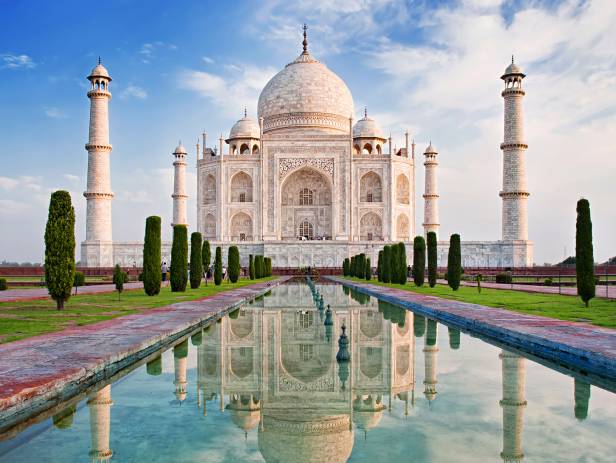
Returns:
(432, 259)
(206, 259)
(454, 262)
(251, 267)
(386, 265)
(218, 266)
(3, 285)
(119, 278)
(268, 266)
(584, 259)
(233, 262)
(402, 273)
(179, 258)
(368, 273)
(419, 260)
(79, 280)
(60, 247)
(196, 262)
(548, 282)
(504, 277)
(152, 259)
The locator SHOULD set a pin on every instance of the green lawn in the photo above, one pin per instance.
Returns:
(23, 319)
(602, 312)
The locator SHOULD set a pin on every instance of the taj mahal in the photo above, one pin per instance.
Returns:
(305, 184)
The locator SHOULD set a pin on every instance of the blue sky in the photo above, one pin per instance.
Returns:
(430, 67)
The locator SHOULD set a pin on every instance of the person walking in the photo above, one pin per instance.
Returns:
(163, 269)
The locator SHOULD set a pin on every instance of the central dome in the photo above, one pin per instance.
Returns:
(306, 94)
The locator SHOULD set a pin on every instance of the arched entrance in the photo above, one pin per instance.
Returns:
(306, 206)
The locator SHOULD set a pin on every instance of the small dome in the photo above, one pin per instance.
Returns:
(513, 69)
(245, 128)
(99, 71)
(430, 149)
(180, 149)
(367, 128)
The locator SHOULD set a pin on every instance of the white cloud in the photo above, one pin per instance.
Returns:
(72, 178)
(11, 61)
(149, 50)
(55, 113)
(207, 60)
(22, 182)
(133, 91)
(238, 89)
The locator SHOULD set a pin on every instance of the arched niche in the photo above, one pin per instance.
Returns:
(209, 227)
(370, 188)
(209, 189)
(403, 190)
(402, 227)
(370, 227)
(241, 227)
(241, 188)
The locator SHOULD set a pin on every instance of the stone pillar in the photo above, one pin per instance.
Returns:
(514, 192)
(513, 403)
(99, 405)
(97, 250)
(179, 186)
(430, 361)
(431, 219)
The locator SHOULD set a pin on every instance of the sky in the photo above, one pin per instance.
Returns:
(430, 67)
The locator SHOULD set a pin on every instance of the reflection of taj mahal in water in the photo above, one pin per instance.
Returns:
(272, 368)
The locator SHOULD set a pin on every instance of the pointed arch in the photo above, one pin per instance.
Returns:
(370, 188)
(241, 227)
(209, 189)
(241, 188)
(402, 227)
(370, 227)
(209, 227)
(403, 189)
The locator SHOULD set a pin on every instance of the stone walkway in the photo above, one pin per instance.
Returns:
(566, 290)
(579, 345)
(29, 294)
(38, 372)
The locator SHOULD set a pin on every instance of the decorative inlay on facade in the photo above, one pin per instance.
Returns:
(507, 194)
(287, 165)
(505, 146)
(331, 425)
(306, 120)
(94, 147)
(286, 383)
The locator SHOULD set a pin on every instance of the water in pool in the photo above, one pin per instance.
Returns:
(263, 384)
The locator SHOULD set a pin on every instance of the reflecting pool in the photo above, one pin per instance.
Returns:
(263, 384)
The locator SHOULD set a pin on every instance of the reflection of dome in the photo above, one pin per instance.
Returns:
(368, 411)
(306, 93)
(245, 128)
(245, 419)
(307, 439)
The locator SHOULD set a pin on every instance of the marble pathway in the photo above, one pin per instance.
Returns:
(566, 290)
(578, 345)
(38, 372)
(29, 294)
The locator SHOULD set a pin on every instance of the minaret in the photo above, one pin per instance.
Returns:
(431, 221)
(98, 191)
(99, 405)
(513, 403)
(514, 193)
(179, 186)
(430, 361)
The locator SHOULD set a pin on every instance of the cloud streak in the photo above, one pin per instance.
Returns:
(11, 61)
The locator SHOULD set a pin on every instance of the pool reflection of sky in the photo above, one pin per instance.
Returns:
(283, 399)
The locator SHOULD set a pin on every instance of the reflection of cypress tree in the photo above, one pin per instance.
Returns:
(360, 297)
(181, 350)
(155, 367)
(582, 397)
(419, 325)
(346, 290)
(431, 333)
(64, 419)
(392, 313)
(233, 315)
(196, 338)
(454, 338)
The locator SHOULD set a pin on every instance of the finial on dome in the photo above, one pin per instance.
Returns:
(365, 111)
(245, 112)
(305, 42)
(99, 60)
(512, 61)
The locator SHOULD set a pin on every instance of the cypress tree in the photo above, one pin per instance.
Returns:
(258, 267)
(218, 267)
(119, 277)
(345, 267)
(268, 266)
(179, 258)
(361, 266)
(432, 259)
(379, 266)
(402, 263)
(394, 264)
(60, 247)
(152, 256)
(419, 260)
(251, 267)
(584, 259)
(206, 259)
(454, 262)
(196, 262)
(233, 263)
(352, 266)
(368, 273)
(386, 266)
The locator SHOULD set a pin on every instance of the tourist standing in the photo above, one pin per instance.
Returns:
(164, 271)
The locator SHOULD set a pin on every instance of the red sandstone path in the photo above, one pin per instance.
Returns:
(565, 290)
(29, 294)
(35, 371)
